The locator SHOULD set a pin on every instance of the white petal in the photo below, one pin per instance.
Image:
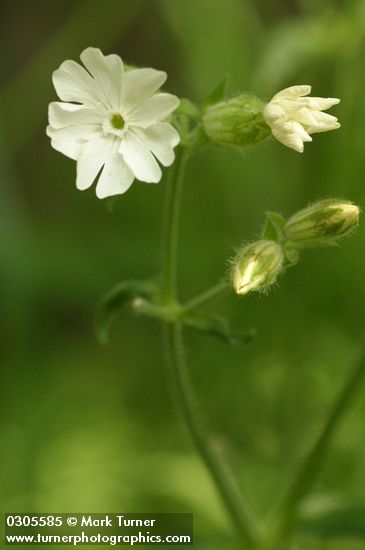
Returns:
(70, 139)
(273, 113)
(138, 85)
(160, 139)
(115, 179)
(291, 134)
(71, 149)
(107, 71)
(83, 132)
(324, 122)
(293, 141)
(305, 116)
(73, 83)
(68, 114)
(139, 159)
(155, 109)
(289, 106)
(93, 156)
(322, 103)
(293, 92)
(296, 128)
(290, 140)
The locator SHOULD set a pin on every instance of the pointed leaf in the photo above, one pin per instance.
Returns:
(219, 93)
(274, 228)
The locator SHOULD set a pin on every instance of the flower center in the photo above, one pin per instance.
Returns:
(114, 124)
(117, 122)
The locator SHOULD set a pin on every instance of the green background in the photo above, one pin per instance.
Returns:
(91, 428)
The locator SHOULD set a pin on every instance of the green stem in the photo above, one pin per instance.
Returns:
(183, 391)
(312, 465)
(206, 298)
(171, 226)
(187, 405)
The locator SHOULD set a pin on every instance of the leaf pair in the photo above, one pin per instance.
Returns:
(141, 296)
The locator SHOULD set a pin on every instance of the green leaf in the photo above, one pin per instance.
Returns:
(219, 93)
(274, 229)
(217, 326)
(345, 521)
(119, 296)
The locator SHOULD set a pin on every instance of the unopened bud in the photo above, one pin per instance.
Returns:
(323, 223)
(238, 122)
(256, 266)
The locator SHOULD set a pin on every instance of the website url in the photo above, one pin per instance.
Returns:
(83, 538)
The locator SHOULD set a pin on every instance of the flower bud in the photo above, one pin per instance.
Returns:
(256, 265)
(238, 122)
(323, 223)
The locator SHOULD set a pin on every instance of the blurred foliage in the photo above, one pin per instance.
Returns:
(91, 428)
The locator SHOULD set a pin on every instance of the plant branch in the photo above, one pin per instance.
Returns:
(206, 298)
(314, 462)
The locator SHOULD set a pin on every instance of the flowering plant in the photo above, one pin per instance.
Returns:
(116, 124)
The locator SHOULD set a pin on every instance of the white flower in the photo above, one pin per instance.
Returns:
(113, 122)
(292, 117)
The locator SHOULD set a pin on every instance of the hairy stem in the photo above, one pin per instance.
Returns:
(186, 402)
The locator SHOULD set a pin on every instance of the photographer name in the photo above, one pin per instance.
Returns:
(117, 521)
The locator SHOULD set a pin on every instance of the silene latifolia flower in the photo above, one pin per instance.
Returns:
(293, 117)
(257, 266)
(112, 121)
(322, 223)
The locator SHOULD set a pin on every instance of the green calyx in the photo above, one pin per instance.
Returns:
(237, 122)
(323, 223)
(256, 266)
